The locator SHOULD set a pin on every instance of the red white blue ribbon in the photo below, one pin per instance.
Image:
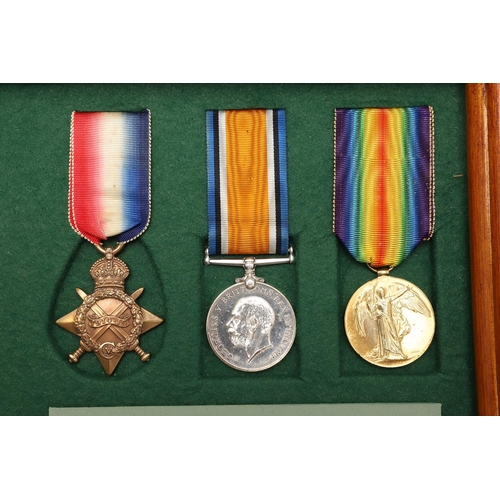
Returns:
(109, 184)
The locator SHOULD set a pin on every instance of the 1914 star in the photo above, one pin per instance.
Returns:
(109, 322)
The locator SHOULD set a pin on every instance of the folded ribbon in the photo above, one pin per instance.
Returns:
(383, 181)
(247, 181)
(109, 191)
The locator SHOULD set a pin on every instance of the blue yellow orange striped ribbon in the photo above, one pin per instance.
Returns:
(383, 181)
(247, 181)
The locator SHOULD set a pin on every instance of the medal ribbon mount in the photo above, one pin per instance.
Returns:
(383, 207)
(250, 325)
(110, 171)
(383, 204)
(247, 182)
(109, 195)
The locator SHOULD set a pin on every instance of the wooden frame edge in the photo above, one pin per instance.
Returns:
(483, 155)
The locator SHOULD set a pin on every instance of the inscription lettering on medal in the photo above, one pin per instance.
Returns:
(221, 349)
(96, 322)
(233, 293)
(265, 291)
(287, 337)
(278, 301)
(213, 334)
(251, 329)
(277, 352)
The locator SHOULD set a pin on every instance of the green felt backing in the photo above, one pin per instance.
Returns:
(43, 260)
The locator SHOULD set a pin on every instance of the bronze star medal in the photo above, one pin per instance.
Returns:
(109, 321)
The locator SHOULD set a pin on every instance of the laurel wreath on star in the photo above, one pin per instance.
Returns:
(90, 300)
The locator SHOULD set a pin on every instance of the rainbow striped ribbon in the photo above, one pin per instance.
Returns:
(383, 181)
(247, 182)
(109, 178)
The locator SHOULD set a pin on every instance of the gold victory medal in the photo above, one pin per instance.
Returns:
(389, 322)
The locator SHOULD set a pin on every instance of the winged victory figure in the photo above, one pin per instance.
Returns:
(379, 310)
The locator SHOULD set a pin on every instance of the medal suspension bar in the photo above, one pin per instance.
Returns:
(242, 262)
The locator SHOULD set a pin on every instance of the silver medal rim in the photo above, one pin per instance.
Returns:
(412, 360)
(278, 359)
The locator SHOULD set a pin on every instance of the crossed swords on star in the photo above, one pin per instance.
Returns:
(99, 332)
